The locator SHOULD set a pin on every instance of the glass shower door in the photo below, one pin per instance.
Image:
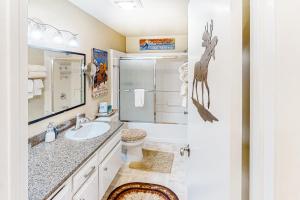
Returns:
(137, 74)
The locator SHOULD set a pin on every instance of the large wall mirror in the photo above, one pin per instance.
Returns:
(56, 82)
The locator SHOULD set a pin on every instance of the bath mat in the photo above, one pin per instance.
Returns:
(142, 191)
(156, 161)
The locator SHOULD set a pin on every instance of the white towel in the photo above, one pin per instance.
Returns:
(183, 68)
(35, 75)
(37, 87)
(184, 89)
(29, 89)
(139, 98)
(184, 102)
(36, 68)
(183, 77)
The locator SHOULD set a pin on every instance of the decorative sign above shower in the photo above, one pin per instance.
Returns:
(157, 44)
(100, 60)
(201, 72)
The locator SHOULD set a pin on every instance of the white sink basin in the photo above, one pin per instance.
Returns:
(88, 131)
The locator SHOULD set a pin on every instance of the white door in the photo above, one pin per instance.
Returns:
(89, 190)
(214, 166)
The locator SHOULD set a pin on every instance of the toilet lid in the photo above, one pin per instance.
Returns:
(133, 135)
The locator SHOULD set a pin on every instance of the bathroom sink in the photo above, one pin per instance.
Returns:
(88, 131)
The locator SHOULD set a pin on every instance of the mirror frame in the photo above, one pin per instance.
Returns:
(84, 84)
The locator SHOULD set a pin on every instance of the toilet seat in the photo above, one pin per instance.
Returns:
(132, 141)
(133, 135)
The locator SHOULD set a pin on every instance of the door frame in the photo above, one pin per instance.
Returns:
(262, 98)
(13, 101)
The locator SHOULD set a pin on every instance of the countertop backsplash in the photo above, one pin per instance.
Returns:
(37, 139)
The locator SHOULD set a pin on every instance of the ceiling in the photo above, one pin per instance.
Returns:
(156, 17)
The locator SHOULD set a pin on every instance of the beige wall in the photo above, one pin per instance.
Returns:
(132, 43)
(92, 34)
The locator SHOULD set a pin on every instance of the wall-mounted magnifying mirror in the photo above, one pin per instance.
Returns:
(90, 71)
(56, 82)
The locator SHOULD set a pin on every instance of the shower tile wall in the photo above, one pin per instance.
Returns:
(169, 103)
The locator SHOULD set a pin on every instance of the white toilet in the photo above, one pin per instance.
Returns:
(132, 141)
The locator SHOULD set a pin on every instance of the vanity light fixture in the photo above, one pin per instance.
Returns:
(38, 30)
(73, 42)
(128, 4)
(35, 31)
(36, 34)
(58, 38)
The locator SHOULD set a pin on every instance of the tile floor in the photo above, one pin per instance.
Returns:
(175, 180)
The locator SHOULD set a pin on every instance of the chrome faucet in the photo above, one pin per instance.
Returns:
(78, 122)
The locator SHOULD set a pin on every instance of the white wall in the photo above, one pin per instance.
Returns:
(275, 99)
(133, 43)
(287, 126)
(13, 101)
(215, 163)
(263, 90)
(92, 34)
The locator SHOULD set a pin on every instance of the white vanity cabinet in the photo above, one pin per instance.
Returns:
(91, 181)
(64, 193)
(89, 191)
(109, 168)
(85, 173)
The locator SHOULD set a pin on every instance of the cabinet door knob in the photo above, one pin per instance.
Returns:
(105, 168)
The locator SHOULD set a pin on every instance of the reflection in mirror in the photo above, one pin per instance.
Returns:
(56, 82)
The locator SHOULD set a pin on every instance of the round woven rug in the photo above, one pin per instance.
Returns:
(142, 191)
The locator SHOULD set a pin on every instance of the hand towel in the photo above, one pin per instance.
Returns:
(38, 86)
(139, 98)
(29, 89)
(36, 68)
(36, 75)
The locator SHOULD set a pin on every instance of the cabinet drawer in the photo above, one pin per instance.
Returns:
(64, 194)
(109, 169)
(89, 191)
(109, 146)
(84, 173)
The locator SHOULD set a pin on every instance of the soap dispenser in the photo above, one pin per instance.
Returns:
(51, 133)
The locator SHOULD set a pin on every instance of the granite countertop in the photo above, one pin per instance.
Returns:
(51, 164)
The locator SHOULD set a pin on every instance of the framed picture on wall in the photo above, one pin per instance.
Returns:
(157, 44)
(100, 59)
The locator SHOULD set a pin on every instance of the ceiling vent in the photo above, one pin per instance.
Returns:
(128, 4)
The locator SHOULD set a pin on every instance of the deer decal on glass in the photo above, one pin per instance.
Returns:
(201, 73)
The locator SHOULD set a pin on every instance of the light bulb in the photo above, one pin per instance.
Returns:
(58, 38)
(73, 42)
(36, 34)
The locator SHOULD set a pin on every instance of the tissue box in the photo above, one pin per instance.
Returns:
(103, 107)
